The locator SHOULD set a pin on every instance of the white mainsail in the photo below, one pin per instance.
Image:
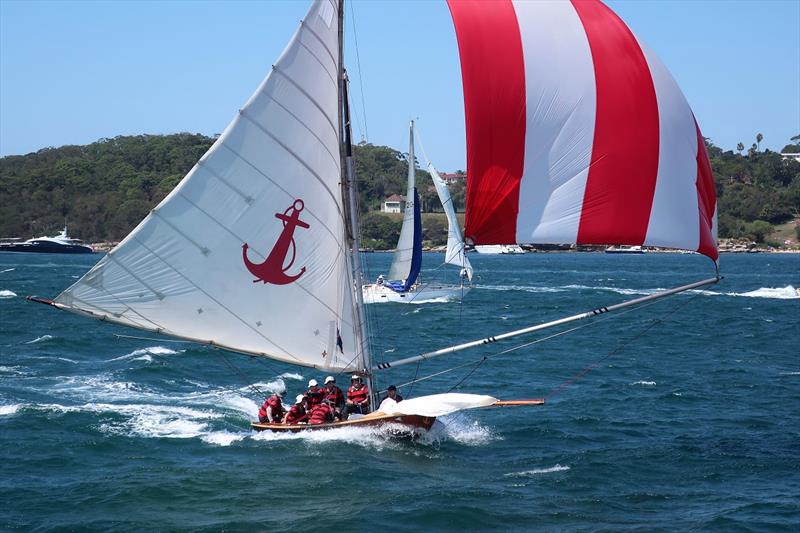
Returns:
(456, 254)
(403, 255)
(249, 251)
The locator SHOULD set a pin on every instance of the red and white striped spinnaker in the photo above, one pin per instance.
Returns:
(576, 132)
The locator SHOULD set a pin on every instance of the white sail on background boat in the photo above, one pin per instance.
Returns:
(256, 250)
(402, 285)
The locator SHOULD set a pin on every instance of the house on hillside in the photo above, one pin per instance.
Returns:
(394, 204)
(791, 155)
(453, 177)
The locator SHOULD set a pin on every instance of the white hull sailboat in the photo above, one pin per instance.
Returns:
(499, 249)
(402, 285)
(256, 250)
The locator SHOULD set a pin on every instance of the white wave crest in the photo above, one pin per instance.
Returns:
(43, 338)
(6, 410)
(778, 293)
(7, 294)
(291, 375)
(520, 288)
(12, 370)
(7, 270)
(645, 383)
(222, 438)
(537, 471)
(145, 354)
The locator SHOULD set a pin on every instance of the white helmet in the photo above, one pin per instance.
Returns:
(355, 376)
(299, 398)
(312, 383)
(330, 379)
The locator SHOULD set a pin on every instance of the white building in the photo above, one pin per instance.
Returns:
(795, 156)
(394, 204)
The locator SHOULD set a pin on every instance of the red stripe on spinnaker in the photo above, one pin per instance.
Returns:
(706, 199)
(493, 74)
(622, 177)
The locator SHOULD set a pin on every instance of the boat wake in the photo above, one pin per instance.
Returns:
(7, 294)
(778, 293)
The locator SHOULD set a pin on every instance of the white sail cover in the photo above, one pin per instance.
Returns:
(456, 254)
(403, 254)
(248, 251)
(576, 132)
(436, 404)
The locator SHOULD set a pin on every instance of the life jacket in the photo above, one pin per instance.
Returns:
(296, 414)
(273, 401)
(335, 396)
(314, 395)
(321, 414)
(358, 395)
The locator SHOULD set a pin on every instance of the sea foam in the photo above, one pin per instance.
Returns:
(537, 471)
(7, 294)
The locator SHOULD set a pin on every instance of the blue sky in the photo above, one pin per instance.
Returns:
(74, 72)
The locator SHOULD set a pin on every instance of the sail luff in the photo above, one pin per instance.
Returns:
(538, 327)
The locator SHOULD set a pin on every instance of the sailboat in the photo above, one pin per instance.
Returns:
(576, 133)
(401, 285)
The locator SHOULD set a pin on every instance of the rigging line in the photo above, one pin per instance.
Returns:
(556, 390)
(360, 78)
(468, 375)
(255, 389)
(416, 372)
(530, 343)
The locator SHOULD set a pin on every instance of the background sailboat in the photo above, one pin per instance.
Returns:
(401, 284)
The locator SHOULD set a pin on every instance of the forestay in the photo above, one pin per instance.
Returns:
(407, 259)
(576, 132)
(248, 251)
(456, 254)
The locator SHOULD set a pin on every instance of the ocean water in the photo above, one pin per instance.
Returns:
(682, 415)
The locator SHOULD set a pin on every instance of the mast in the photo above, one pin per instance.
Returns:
(349, 196)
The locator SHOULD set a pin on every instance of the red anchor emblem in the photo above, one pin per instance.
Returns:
(272, 269)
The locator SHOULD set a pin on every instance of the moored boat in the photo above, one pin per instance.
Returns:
(60, 244)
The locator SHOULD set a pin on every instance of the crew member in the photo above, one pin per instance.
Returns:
(391, 392)
(272, 411)
(357, 397)
(333, 395)
(297, 414)
(322, 413)
(314, 393)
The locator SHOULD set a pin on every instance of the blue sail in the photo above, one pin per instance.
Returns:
(416, 258)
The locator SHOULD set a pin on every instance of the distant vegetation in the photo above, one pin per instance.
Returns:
(104, 189)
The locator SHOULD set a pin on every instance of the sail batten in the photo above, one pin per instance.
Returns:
(250, 251)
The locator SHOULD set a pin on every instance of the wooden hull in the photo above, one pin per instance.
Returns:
(412, 422)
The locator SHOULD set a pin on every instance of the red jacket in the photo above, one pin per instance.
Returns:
(358, 395)
(314, 395)
(296, 414)
(321, 414)
(274, 402)
(335, 396)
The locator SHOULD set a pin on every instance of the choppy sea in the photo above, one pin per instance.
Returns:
(682, 415)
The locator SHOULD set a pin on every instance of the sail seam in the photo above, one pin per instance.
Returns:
(111, 257)
(306, 126)
(203, 249)
(317, 59)
(310, 98)
(223, 306)
(262, 256)
(106, 312)
(247, 198)
(309, 210)
(305, 26)
(297, 158)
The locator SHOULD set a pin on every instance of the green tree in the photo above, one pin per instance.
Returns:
(759, 138)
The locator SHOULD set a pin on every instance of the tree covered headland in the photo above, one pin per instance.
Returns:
(105, 188)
